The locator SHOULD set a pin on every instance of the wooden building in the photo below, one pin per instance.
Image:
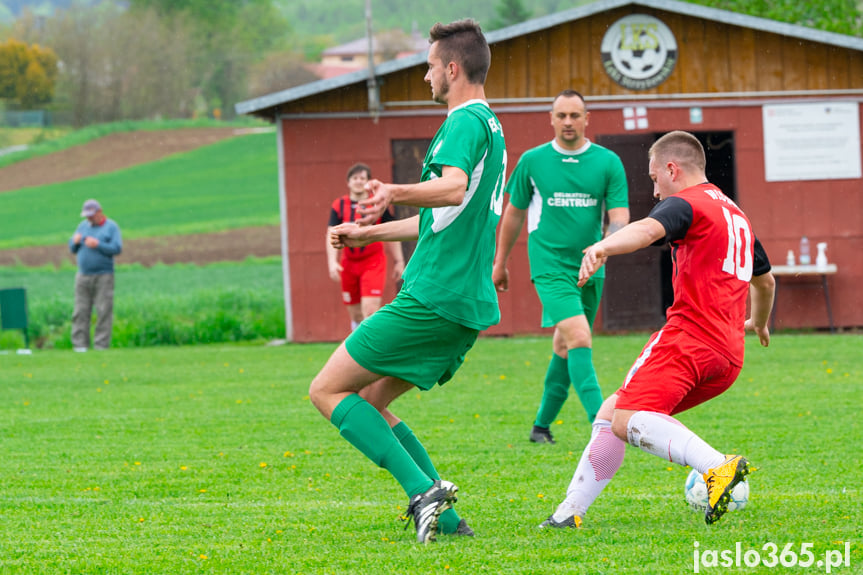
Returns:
(777, 107)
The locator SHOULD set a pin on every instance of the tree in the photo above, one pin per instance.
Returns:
(13, 62)
(34, 87)
(27, 73)
(228, 37)
(121, 65)
(148, 58)
(509, 12)
(840, 16)
(278, 71)
(391, 43)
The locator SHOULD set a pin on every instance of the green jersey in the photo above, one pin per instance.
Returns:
(563, 192)
(450, 270)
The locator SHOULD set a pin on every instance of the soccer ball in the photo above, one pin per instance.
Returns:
(696, 493)
(640, 64)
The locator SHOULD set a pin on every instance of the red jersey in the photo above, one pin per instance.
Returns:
(345, 210)
(715, 254)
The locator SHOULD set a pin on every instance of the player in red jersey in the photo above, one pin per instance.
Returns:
(360, 271)
(699, 352)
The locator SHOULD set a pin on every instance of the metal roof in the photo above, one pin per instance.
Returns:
(412, 43)
(714, 14)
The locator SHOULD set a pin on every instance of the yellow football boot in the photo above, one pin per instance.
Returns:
(720, 482)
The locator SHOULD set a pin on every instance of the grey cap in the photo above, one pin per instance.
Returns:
(90, 208)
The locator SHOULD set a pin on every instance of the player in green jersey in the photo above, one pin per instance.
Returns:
(563, 188)
(420, 339)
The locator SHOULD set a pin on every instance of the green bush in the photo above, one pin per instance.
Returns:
(11, 339)
(162, 305)
(206, 316)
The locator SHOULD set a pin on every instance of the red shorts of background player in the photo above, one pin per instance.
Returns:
(675, 372)
(364, 277)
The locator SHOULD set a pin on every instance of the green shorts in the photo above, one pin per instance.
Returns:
(562, 298)
(405, 339)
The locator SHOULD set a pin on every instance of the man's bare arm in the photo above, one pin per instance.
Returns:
(355, 236)
(617, 219)
(761, 291)
(510, 227)
(630, 238)
(447, 190)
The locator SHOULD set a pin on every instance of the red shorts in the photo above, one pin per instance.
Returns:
(363, 278)
(675, 372)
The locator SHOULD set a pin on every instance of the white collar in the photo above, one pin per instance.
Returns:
(564, 151)
(468, 103)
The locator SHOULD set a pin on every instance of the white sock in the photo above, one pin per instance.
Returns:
(599, 462)
(665, 437)
(354, 324)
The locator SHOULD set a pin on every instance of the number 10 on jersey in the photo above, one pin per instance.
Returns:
(738, 259)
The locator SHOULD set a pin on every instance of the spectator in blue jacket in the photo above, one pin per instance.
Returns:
(95, 243)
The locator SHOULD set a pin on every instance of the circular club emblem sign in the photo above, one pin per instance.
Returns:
(639, 52)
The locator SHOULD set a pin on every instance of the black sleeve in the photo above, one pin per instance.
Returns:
(675, 215)
(760, 263)
(388, 215)
(335, 218)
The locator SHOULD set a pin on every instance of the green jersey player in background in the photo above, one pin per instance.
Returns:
(420, 339)
(562, 188)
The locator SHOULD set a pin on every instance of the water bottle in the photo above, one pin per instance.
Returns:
(821, 258)
(805, 259)
(789, 259)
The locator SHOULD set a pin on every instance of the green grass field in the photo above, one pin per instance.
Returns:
(211, 459)
(228, 185)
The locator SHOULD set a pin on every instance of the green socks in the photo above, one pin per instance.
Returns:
(554, 393)
(397, 450)
(583, 377)
(578, 369)
(449, 519)
(366, 429)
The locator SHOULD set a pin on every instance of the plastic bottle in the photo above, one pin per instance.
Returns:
(789, 259)
(821, 258)
(805, 259)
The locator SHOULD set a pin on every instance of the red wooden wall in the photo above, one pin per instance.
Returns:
(317, 153)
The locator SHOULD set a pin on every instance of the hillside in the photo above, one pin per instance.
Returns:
(108, 154)
(344, 20)
(200, 249)
(157, 185)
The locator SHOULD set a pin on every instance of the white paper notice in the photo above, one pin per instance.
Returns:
(811, 141)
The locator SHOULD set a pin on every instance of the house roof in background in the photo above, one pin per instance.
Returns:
(360, 46)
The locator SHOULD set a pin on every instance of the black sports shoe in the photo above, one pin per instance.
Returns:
(573, 522)
(425, 509)
(541, 435)
(463, 529)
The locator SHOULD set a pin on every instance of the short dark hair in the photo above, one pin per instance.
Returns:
(569, 93)
(359, 167)
(462, 42)
(680, 146)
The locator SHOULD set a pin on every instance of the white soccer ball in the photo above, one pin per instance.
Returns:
(640, 64)
(696, 493)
